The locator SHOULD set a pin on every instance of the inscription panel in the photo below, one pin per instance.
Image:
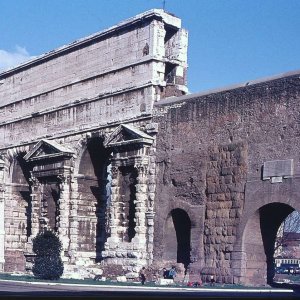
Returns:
(278, 168)
(90, 114)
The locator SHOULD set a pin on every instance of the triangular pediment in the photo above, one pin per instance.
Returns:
(46, 149)
(127, 134)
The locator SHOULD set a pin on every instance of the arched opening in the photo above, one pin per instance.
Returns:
(178, 224)
(18, 216)
(93, 180)
(259, 242)
(287, 248)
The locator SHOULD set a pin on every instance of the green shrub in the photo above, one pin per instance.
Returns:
(47, 264)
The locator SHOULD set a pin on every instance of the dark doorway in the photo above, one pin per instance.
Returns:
(179, 224)
(128, 181)
(49, 202)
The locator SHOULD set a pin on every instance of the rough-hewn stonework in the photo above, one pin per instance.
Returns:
(230, 134)
(99, 142)
(225, 180)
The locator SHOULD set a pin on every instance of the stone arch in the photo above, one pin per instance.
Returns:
(92, 179)
(16, 164)
(262, 198)
(177, 237)
(259, 239)
(196, 215)
(80, 149)
(81, 146)
(18, 225)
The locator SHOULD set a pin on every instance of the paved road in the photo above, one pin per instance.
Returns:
(42, 290)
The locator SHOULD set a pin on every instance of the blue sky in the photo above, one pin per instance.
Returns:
(230, 41)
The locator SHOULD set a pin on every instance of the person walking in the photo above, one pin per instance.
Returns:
(143, 275)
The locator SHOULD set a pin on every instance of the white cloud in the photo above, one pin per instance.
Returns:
(12, 59)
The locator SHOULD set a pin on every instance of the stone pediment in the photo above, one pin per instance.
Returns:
(126, 135)
(46, 149)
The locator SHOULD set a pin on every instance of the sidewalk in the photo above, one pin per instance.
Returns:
(45, 290)
(138, 286)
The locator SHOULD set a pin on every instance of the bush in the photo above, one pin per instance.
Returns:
(47, 263)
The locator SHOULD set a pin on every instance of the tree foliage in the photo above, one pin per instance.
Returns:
(47, 263)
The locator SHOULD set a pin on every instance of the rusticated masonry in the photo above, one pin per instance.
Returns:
(100, 142)
(226, 176)
(66, 168)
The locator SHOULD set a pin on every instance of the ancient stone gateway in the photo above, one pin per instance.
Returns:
(101, 142)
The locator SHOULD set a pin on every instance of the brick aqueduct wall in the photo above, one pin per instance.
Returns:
(101, 143)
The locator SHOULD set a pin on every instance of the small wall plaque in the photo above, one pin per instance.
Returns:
(276, 170)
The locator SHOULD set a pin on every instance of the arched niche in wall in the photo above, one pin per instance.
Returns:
(93, 189)
(177, 237)
(18, 208)
(21, 191)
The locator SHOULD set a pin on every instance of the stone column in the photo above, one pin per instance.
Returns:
(35, 202)
(64, 210)
(150, 224)
(43, 219)
(35, 196)
(2, 228)
(2, 215)
(141, 206)
(150, 205)
(114, 209)
(73, 220)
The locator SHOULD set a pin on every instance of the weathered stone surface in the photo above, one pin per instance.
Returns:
(72, 182)
(127, 178)
(233, 132)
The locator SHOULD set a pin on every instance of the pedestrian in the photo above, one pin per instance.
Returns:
(97, 277)
(172, 273)
(143, 275)
(165, 273)
(212, 280)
